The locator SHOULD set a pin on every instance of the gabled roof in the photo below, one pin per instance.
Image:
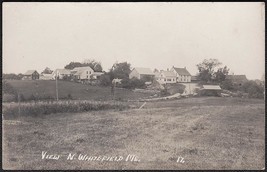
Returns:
(237, 78)
(30, 72)
(144, 71)
(168, 73)
(211, 87)
(182, 71)
(78, 72)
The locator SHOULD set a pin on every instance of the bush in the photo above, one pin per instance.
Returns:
(227, 85)
(39, 108)
(8, 89)
(132, 83)
(105, 80)
(253, 89)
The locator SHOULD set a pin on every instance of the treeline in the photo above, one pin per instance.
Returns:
(211, 72)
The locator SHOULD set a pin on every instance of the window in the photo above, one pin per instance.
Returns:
(86, 72)
(90, 72)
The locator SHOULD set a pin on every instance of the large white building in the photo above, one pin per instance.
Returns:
(82, 73)
(182, 75)
(165, 77)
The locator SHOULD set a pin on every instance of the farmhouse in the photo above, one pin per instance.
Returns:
(31, 75)
(61, 73)
(142, 73)
(238, 80)
(165, 77)
(182, 75)
(82, 73)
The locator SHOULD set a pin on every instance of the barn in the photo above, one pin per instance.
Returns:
(31, 75)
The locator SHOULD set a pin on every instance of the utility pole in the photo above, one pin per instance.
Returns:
(56, 88)
(19, 102)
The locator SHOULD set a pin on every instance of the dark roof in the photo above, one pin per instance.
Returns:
(182, 71)
(237, 78)
(30, 72)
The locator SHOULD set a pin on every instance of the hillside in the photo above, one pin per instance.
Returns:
(78, 91)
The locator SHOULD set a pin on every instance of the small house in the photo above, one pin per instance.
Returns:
(210, 90)
(61, 73)
(46, 77)
(142, 73)
(31, 75)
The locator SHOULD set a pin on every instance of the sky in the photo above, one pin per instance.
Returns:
(153, 35)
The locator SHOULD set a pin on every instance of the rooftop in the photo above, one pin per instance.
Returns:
(182, 71)
(211, 87)
(144, 71)
(30, 72)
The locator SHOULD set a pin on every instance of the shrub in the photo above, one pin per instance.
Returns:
(39, 108)
(253, 89)
(133, 83)
(105, 80)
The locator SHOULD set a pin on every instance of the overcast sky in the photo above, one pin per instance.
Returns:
(153, 35)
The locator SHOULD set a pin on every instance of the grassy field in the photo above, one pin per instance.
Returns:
(209, 133)
(78, 91)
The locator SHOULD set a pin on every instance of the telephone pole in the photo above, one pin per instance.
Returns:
(56, 88)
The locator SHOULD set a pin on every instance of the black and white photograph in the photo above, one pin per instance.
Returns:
(133, 85)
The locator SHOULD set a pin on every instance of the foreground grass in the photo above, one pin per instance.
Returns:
(208, 136)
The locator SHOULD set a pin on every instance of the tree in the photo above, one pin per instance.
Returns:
(220, 74)
(95, 65)
(253, 89)
(207, 71)
(12, 76)
(120, 70)
(73, 65)
(47, 70)
(105, 80)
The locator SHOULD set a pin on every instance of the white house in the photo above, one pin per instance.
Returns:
(182, 75)
(165, 77)
(61, 73)
(82, 73)
(142, 73)
(46, 77)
